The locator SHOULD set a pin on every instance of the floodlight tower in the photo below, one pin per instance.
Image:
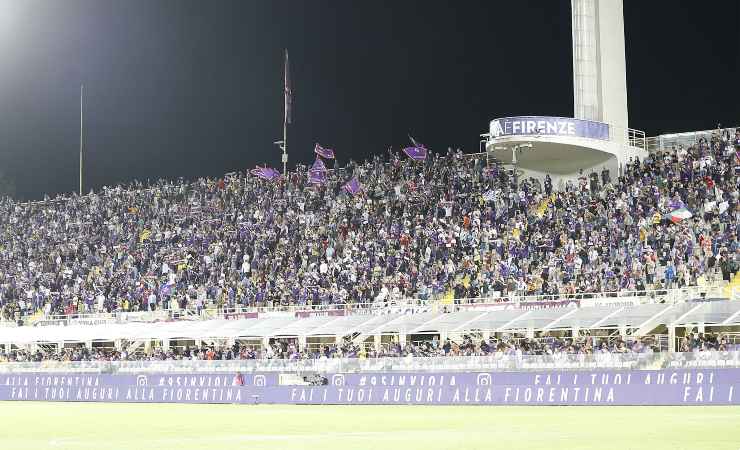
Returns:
(599, 74)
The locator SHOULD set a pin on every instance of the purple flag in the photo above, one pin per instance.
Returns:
(319, 165)
(416, 153)
(266, 173)
(353, 187)
(676, 204)
(288, 92)
(324, 152)
(166, 289)
(316, 176)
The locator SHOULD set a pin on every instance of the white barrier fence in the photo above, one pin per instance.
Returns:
(500, 362)
(403, 306)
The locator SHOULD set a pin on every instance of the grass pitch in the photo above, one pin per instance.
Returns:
(37, 425)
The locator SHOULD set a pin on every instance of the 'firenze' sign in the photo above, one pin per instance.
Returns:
(549, 126)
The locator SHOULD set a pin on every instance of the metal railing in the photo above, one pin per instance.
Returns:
(437, 302)
(496, 362)
(672, 141)
(501, 362)
(606, 298)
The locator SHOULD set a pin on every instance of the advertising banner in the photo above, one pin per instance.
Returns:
(612, 301)
(549, 126)
(320, 312)
(524, 304)
(607, 387)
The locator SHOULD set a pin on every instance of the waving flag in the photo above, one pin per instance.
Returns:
(288, 92)
(319, 165)
(414, 143)
(353, 187)
(680, 214)
(324, 152)
(676, 204)
(416, 153)
(266, 173)
(167, 289)
(317, 176)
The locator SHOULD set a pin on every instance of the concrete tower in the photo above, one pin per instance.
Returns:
(599, 75)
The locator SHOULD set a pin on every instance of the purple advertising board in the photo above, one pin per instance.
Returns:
(549, 126)
(606, 387)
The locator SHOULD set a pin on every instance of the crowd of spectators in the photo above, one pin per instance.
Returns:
(287, 349)
(450, 225)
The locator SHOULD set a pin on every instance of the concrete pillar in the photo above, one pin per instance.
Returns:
(672, 339)
(701, 328)
(302, 343)
(165, 344)
(148, 346)
(377, 342)
(402, 339)
(118, 345)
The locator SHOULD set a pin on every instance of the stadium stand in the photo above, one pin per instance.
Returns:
(452, 226)
(448, 255)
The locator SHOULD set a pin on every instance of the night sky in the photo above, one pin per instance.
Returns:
(194, 88)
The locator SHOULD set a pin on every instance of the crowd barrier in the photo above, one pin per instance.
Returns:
(495, 362)
(494, 302)
(644, 379)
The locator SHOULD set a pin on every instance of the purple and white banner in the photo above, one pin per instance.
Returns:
(600, 387)
(548, 126)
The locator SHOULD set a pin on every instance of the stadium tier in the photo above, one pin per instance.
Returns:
(451, 225)
(479, 332)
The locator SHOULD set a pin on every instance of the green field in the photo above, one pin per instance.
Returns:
(166, 426)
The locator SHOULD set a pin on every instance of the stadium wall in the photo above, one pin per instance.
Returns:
(603, 387)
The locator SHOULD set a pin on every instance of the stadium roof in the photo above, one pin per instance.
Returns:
(643, 317)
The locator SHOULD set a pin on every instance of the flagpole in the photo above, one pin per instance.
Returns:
(81, 92)
(288, 99)
(285, 147)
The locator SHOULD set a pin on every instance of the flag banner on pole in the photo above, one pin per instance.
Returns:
(324, 152)
(679, 215)
(319, 165)
(167, 289)
(288, 92)
(317, 176)
(416, 153)
(353, 187)
(414, 143)
(266, 173)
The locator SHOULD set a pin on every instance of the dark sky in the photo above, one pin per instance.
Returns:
(194, 88)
